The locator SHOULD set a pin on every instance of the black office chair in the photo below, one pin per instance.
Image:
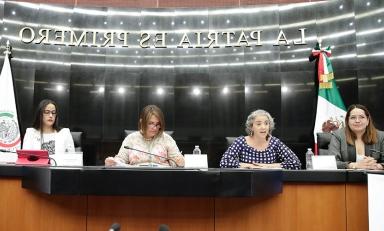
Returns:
(230, 140)
(77, 140)
(323, 140)
(127, 132)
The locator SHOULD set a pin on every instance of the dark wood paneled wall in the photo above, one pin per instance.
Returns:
(166, 3)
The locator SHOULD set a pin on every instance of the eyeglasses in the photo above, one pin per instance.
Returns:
(154, 125)
(47, 112)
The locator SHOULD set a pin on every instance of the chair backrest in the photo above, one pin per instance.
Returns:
(77, 140)
(169, 132)
(127, 132)
(230, 140)
(323, 140)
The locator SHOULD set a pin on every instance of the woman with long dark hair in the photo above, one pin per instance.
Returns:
(359, 145)
(45, 133)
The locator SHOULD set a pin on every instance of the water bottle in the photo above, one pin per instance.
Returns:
(196, 150)
(308, 157)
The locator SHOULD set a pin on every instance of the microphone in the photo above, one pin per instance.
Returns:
(114, 227)
(151, 154)
(163, 227)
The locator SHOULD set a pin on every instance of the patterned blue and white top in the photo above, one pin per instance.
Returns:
(276, 152)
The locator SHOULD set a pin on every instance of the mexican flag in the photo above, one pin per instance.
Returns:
(9, 124)
(330, 112)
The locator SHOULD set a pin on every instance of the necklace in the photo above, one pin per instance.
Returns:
(147, 139)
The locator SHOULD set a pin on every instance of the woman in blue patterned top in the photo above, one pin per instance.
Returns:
(259, 149)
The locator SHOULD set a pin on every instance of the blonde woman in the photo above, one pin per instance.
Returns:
(150, 138)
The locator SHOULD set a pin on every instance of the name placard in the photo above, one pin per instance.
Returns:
(324, 162)
(196, 161)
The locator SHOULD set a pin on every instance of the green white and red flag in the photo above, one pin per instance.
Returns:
(330, 112)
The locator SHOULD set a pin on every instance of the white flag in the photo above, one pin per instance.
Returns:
(9, 124)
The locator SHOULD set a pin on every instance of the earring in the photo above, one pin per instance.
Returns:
(251, 133)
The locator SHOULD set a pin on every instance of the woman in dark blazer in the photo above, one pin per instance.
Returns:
(359, 145)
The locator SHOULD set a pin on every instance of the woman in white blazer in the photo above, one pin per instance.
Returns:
(45, 133)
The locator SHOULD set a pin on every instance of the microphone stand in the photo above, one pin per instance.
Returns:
(151, 154)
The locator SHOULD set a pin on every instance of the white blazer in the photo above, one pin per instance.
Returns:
(63, 140)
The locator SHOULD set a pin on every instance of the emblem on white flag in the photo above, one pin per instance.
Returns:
(9, 125)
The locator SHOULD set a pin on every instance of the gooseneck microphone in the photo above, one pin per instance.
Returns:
(114, 227)
(151, 154)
